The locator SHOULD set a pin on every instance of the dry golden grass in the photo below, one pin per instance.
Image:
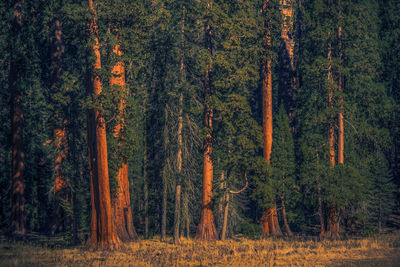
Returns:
(374, 251)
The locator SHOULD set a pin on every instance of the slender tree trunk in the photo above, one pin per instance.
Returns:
(179, 170)
(164, 180)
(17, 127)
(320, 210)
(221, 203)
(146, 198)
(164, 208)
(340, 116)
(269, 218)
(145, 181)
(121, 205)
(333, 219)
(104, 235)
(330, 103)
(206, 229)
(225, 220)
(186, 218)
(285, 222)
(177, 214)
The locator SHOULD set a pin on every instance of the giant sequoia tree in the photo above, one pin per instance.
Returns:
(206, 229)
(290, 103)
(103, 232)
(270, 218)
(121, 204)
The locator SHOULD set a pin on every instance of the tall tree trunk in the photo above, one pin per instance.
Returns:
(179, 170)
(340, 116)
(146, 194)
(17, 127)
(178, 190)
(269, 218)
(225, 219)
(164, 179)
(164, 208)
(121, 204)
(332, 229)
(320, 209)
(285, 222)
(103, 234)
(206, 229)
(330, 103)
(145, 181)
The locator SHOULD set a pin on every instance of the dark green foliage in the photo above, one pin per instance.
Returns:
(156, 38)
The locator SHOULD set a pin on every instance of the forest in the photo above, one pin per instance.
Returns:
(132, 120)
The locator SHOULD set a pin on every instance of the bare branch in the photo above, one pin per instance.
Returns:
(244, 188)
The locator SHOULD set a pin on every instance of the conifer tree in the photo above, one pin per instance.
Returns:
(283, 162)
(103, 232)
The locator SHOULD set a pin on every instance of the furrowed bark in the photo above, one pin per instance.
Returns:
(103, 233)
(121, 204)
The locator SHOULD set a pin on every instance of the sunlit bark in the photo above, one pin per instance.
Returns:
(206, 229)
(103, 234)
(121, 204)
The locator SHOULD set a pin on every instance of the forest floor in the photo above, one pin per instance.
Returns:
(380, 251)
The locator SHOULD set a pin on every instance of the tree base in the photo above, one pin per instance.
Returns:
(206, 230)
(269, 223)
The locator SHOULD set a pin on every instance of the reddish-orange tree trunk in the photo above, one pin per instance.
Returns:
(269, 219)
(332, 229)
(121, 204)
(103, 234)
(17, 116)
(206, 229)
(340, 115)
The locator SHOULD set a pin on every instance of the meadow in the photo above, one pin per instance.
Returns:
(380, 250)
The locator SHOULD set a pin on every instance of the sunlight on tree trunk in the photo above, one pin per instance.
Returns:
(121, 204)
(206, 229)
(103, 234)
(269, 218)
